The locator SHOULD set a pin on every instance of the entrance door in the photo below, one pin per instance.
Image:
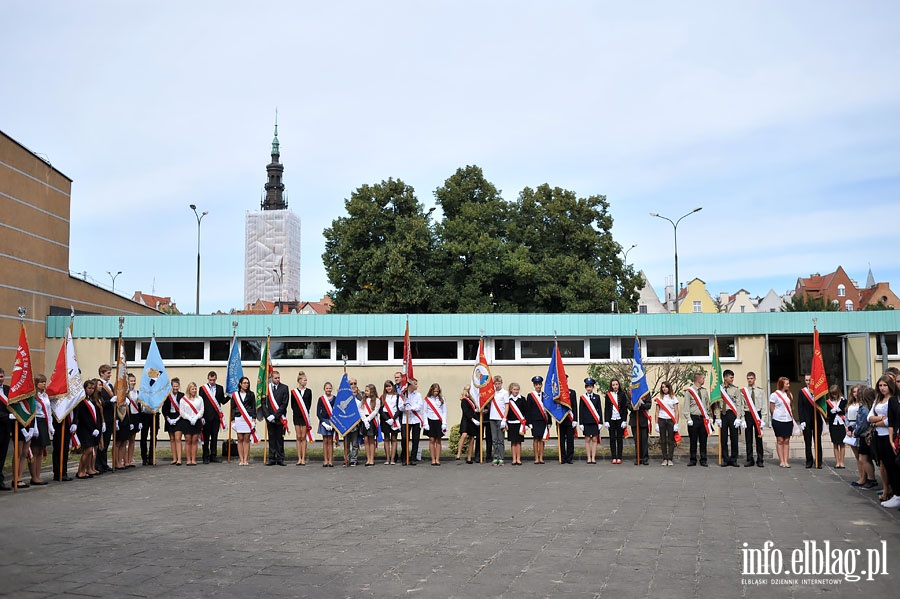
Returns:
(857, 360)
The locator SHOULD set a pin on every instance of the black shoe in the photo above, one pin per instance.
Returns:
(724, 464)
(809, 465)
(206, 460)
(214, 460)
(759, 464)
(270, 463)
(704, 464)
(281, 463)
(749, 463)
(692, 464)
(735, 464)
(4, 487)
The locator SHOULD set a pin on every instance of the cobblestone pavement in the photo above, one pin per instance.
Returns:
(451, 531)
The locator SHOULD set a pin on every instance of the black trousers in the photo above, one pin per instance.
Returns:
(488, 439)
(808, 437)
(616, 438)
(727, 433)
(5, 435)
(750, 436)
(210, 436)
(101, 461)
(276, 441)
(645, 450)
(147, 437)
(61, 441)
(567, 441)
(698, 435)
(412, 442)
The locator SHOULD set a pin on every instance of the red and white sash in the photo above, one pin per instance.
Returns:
(435, 410)
(612, 398)
(832, 406)
(215, 404)
(324, 401)
(302, 407)
(666, 409)
(374, 419)
(73, 439)
(728, 401)
(240, 405)
(786, 402)
(518, 414)
(540, 405)
(590, 406)
(497, 407)
(387, 408)
(3, 397)
(751, 407)
(702, 409)
(92, 408)
(273, 405)
(809, 397)
(192, 406)
(174, 403)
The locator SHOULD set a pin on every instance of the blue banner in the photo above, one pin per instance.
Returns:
(235, 370)
(553, 388)
(639, 388)
(155, 384)
(346, 412)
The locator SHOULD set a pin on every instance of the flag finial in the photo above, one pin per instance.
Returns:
(22, 312)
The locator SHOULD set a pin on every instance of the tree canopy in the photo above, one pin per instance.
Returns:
(801, 303)
(548, 251)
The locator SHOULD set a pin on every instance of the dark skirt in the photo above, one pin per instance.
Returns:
(43, 435)
(467, 426)
(538, 429)
(514, 433)
(591, 430)
(864, 448)
(434, 429)
(837, 432)
(171, 428)
(86, 439)
(185, 426)
(782, 429)
(372, 431)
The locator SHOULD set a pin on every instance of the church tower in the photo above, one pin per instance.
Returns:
(272, 251)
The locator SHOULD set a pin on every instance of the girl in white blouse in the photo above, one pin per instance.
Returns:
(191, 407)
(667, 415)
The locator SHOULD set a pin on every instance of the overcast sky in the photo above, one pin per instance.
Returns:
(780, 119)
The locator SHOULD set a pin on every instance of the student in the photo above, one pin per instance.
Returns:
(43, 429)
(812, 423)
(134, 425)
(87, 427)
(369, 411)
(243, 419)
(123, 425)
(108, 401)
(616, 406)
(667, 413)
(782, 419)
(5, 428)
(730, 419)
(435, 412)
(468, 424)
(498, 410)
(324, 410)
(640, 425)
(411, 410)
(172, 414)
(192, 411)
(273, 409)
(837, 429)
(696, 398)
(301, 404)
(213, 396)
(390, 422)
(858, 406)
(885, 431)
(591, 410)
(516, 422)
(755, 400)
(537, 416)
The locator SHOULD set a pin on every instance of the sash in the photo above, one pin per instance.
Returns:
(299, 399)
(174, 403)
(191, 405)
(73, 438)
(809, 398)
(830, 406)
(435, 410)
(590, 406)
(787, 404)
(374, 422)
(540, 405)
(46, 412)
(273, 405)
(324, 401)
(665, 409)
(3, 397)
(748, 397)
(205, 390)
(93, 409)
(728, 402)
(517, 413)
(245, 416)
(417, 415)
(387, 408)
(612, 397)
(702, 409)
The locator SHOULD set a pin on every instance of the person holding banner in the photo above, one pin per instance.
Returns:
(123, 425)
(538, 417)
(172, 413)
(640, 424)
(134, 422)
(498, 411)
(6, 424)
(516, 422)
(148, 424)
(837, 430)
(730, 419)
(591, 410)
(243, 415)
(754, 410)
(390, 422)
(324, 410)
(782, 419)
(812, 423)
(87, 427)
(369, 410)
(43, 429)
(616, 406)
(301, 404)
(411, 410)
(273, 408)
(192, 409)
(435, 422)
(108, 400)
(214, 398)
(668, 414)
(696, 397)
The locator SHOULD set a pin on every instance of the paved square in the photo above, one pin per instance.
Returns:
(451, 531)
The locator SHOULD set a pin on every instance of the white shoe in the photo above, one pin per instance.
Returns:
(893, 502)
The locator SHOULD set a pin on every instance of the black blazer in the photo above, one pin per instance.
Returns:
(168, 410)
(534, 413)
(807, 413)
(643, 406)
(218, 396)
(249, 404)
(586, 416)
(280, 395)
(624, 405)
(307, 403)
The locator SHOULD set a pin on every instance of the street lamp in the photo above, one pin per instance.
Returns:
(675, 229)
(625, 260)
(199, 218)
(113, 277)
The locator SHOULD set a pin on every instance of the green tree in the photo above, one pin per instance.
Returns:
(568, 260)
(879, 306)
(379, 257)
(801, 303)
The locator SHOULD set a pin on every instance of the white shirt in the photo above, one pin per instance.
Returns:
(441, 408)
(501, 399)
(881, 410)
(852, 410)
(390, 401)
(780, 413)
(413, 403)
(374, 403)
(187, 413)
(670, 402)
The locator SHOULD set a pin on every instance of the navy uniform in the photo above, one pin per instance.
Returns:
(642, 415)
(537, 416)
(212, 394)
(567, 430)
(273, 416)
(616, 419)
(588, 426)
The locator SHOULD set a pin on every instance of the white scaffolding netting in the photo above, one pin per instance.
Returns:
(272, 257)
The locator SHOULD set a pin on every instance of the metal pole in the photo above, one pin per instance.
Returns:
(675, 231)
(199, 218)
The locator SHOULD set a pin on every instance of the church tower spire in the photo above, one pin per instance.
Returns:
(274, 198)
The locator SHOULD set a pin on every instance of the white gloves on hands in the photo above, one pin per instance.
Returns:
(690, 421)
(606, 425)
(675, 428)
(327, 426)
(581, 428)
(624, 425)
(803, 426)
(574, 424)
(270, 418)
(656, 428)
(73, 428)
(103, 428)
(719, 422)
(95, 432)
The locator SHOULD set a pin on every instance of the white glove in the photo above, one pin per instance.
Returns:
(737, 423)
(835, 410)
(131, 427)
(171, 421)
(271, 417)
(606, 425)
(762, 424)
(690, 421)
(27, 433)
(95, 432)
(743, 424)
(50, 427)
(73, 428)
(12, 416)
(581, 428)
(140, 426)
(719, 422)
(390, 421)
(475, 422)
(425, 427)
(574, 424)
(203, 421)
(624, 425)
(504, 423)
(117, 425)
(675, 428)
(103, 429)
(803, 426)
(656, 428)
(327, 426)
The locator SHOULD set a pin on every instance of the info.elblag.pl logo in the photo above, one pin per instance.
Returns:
(813, 563)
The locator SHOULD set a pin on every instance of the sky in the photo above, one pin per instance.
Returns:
(782, 120)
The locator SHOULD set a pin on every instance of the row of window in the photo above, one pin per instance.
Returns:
(441, 350)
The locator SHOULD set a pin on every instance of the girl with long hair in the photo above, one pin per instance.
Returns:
(243, 418)
(782, 417)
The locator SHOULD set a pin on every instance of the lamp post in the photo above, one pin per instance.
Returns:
(675, 230)
(199, 218)
(625, 260)
(113, 277)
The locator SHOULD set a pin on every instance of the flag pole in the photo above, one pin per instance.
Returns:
(64, 445)
(153, 440)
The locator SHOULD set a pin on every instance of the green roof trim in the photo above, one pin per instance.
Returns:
(454, 326)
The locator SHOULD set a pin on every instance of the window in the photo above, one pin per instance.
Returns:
(599, 349)
(130, 347)
(626, 348)
(219, 350)
(842, 291)
(345, 347)
(848, 305)
(743, 309)
(727, 347)
(891, 341)
(302, 350)
(698, 306)
(378, 349)
(470, 349)
(176, 350)
(251, 350)
(677, 347)
(429, 350)
(504, 349)
(568, 348)
(642, 309)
